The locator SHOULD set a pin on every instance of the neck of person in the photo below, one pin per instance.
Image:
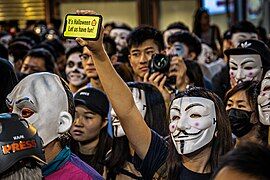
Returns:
(52, 150)
(73, 88)
(137, 78)
(198, 163)
(95, 82)
(251, 137)
(88, 147)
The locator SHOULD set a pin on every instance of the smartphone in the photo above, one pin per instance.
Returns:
(83, 26)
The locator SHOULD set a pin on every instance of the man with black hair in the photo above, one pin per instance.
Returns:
(239, 32)
(38, 60)
(247, 161)
(143, 42)
(88, 65)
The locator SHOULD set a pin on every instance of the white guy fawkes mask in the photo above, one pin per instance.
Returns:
(247, 67)
(74, 70)
(241, 36)
(177, 48)
(264, 100)
(120, 35)
(140, 101)
(192, 123)
(168, 33)
(40, 98)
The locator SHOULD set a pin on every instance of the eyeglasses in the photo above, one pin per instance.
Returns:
(84, 57)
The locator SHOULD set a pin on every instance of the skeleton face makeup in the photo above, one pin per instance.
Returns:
(120, 35)
(264, 100)
(40, 98)
(192, 123)
(246, 67)
(178, 49)
(140, 101)
(241, 36)
(74, 70)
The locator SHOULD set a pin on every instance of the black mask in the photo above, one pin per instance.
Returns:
(240, 122)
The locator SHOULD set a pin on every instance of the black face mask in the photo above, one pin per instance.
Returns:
(240, 122)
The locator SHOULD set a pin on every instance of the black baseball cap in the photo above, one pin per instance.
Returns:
(18, 140)
(252, 46)
(93, 99)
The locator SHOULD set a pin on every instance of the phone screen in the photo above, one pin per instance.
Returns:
(84, 26)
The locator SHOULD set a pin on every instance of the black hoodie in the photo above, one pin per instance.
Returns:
(8, 80)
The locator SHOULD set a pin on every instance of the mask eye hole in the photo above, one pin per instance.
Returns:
(26, 112)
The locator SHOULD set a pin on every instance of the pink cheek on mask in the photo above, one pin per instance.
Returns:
(250, 74)
(172, 127)
(232, 74)
(197, 124)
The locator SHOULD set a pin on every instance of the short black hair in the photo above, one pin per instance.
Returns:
(249, 158)
(143, 33)
(189, 39)
(243, 26)
(177, 25)
(74, 50)
(46, 56)
(120, 25)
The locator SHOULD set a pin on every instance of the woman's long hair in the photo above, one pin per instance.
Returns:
(220, 144)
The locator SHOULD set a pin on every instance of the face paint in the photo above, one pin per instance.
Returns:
(246, 67)
(120, 35)
(168, 33)
(40, 98)
(264, 100)
(140, 101)
(241, 36)
(178, 49)
(74, 70)
(192, 123)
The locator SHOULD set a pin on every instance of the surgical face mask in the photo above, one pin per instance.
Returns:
(264, 100)
(192, 123)
(120, 35)
(74, 70)
(168, 33)
(140, 101)
(241, 36)
(246, 67)
(178, 49)
(240, 122)
(40, 98)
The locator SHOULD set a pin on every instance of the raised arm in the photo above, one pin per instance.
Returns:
(120, 96)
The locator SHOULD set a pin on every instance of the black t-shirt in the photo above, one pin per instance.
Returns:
(156, 157)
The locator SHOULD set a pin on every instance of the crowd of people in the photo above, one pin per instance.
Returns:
(136, 103)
